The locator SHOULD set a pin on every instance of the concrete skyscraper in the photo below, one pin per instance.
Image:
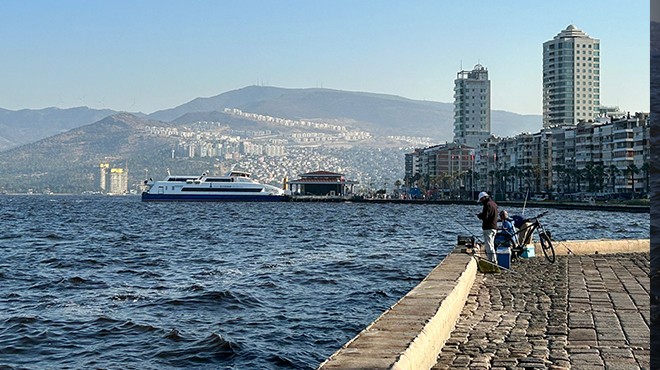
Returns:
(571, 78)
(472, 107)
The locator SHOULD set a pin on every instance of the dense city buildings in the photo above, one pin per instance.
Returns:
(571, 78)
(472, 106)
(607, 157)
(583, 150)
(445, 170)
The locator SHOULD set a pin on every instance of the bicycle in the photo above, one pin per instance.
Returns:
(523, 236)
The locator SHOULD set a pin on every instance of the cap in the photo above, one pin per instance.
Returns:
(482, 195)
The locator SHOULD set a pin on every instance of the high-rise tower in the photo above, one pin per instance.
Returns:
(472, 106)
(571, 78)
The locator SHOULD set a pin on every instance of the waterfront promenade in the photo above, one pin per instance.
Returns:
(583, 312)
(586, 311)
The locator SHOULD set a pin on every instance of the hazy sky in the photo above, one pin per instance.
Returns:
(143, 55)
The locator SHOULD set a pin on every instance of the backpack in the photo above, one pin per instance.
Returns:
(518, 221)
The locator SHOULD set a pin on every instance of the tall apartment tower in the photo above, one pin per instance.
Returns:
(118, 181)
(103, 176)
(472, 106)
(571, 78)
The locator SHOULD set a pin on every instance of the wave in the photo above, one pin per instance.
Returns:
(220, 299)
(310, 279)
(212, 349)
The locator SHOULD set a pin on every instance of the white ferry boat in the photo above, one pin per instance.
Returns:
(236, 186)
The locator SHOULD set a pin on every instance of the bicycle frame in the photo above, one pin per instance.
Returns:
(524, 236)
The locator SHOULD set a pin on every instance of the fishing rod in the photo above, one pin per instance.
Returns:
(570, 252)
(526, 195)
(469, 231)
(479, 258)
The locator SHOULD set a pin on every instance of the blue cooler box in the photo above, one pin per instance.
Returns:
(528, 251)
(503, 257)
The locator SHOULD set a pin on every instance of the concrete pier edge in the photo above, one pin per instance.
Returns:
(403, 338)
(422, 353)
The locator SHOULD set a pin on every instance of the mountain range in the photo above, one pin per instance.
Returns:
(385, 114)
(60, 149)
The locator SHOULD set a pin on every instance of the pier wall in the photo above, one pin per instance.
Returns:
(411, 333)
(596, 246)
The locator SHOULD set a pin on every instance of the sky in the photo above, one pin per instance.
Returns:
(148, 55)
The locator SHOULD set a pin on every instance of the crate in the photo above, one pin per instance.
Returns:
(528, 251)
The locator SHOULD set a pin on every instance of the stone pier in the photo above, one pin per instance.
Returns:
(589, 310)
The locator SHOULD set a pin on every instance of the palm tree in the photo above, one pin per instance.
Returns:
(477, 177)
(599, 174)
(632, 170)
(560, 177)
(520, 173)
(491, 177)
(589, 174)
(513, 171)
(578, 176)
(612, 172)
(646, 170)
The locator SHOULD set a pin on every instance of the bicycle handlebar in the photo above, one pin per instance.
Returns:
(542, 214)
(537, 216)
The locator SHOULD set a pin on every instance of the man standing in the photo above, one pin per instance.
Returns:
(488, 216)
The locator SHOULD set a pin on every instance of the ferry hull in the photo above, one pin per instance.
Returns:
(147, 197)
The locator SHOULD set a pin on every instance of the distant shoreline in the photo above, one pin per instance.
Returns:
(544, 204)
(323, 199)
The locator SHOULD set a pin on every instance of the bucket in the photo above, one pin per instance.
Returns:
(528, 251)
(503, 257)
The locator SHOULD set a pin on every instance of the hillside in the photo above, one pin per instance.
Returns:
(27, 125)
(67, 162)
(385, 114)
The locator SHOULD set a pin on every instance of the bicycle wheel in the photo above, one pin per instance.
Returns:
(546, 245)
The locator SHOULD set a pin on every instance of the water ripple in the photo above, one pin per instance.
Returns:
(100, 282)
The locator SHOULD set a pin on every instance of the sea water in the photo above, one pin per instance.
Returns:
(111, 282)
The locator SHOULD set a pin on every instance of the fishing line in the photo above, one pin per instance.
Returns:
(479, 258)
(570, 252)
(468, 230)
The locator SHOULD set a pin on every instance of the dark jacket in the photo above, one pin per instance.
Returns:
(488, 215)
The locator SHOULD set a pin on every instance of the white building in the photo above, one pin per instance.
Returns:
(571, 78)
(118, 181)
(472, 107)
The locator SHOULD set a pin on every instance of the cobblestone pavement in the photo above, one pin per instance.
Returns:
(583, 312)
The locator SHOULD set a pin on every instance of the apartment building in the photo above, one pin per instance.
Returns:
(608, 157)
(472, 107)
(571, 78)
(447, 169)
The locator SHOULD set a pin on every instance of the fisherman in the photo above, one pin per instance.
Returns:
(488, 216)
